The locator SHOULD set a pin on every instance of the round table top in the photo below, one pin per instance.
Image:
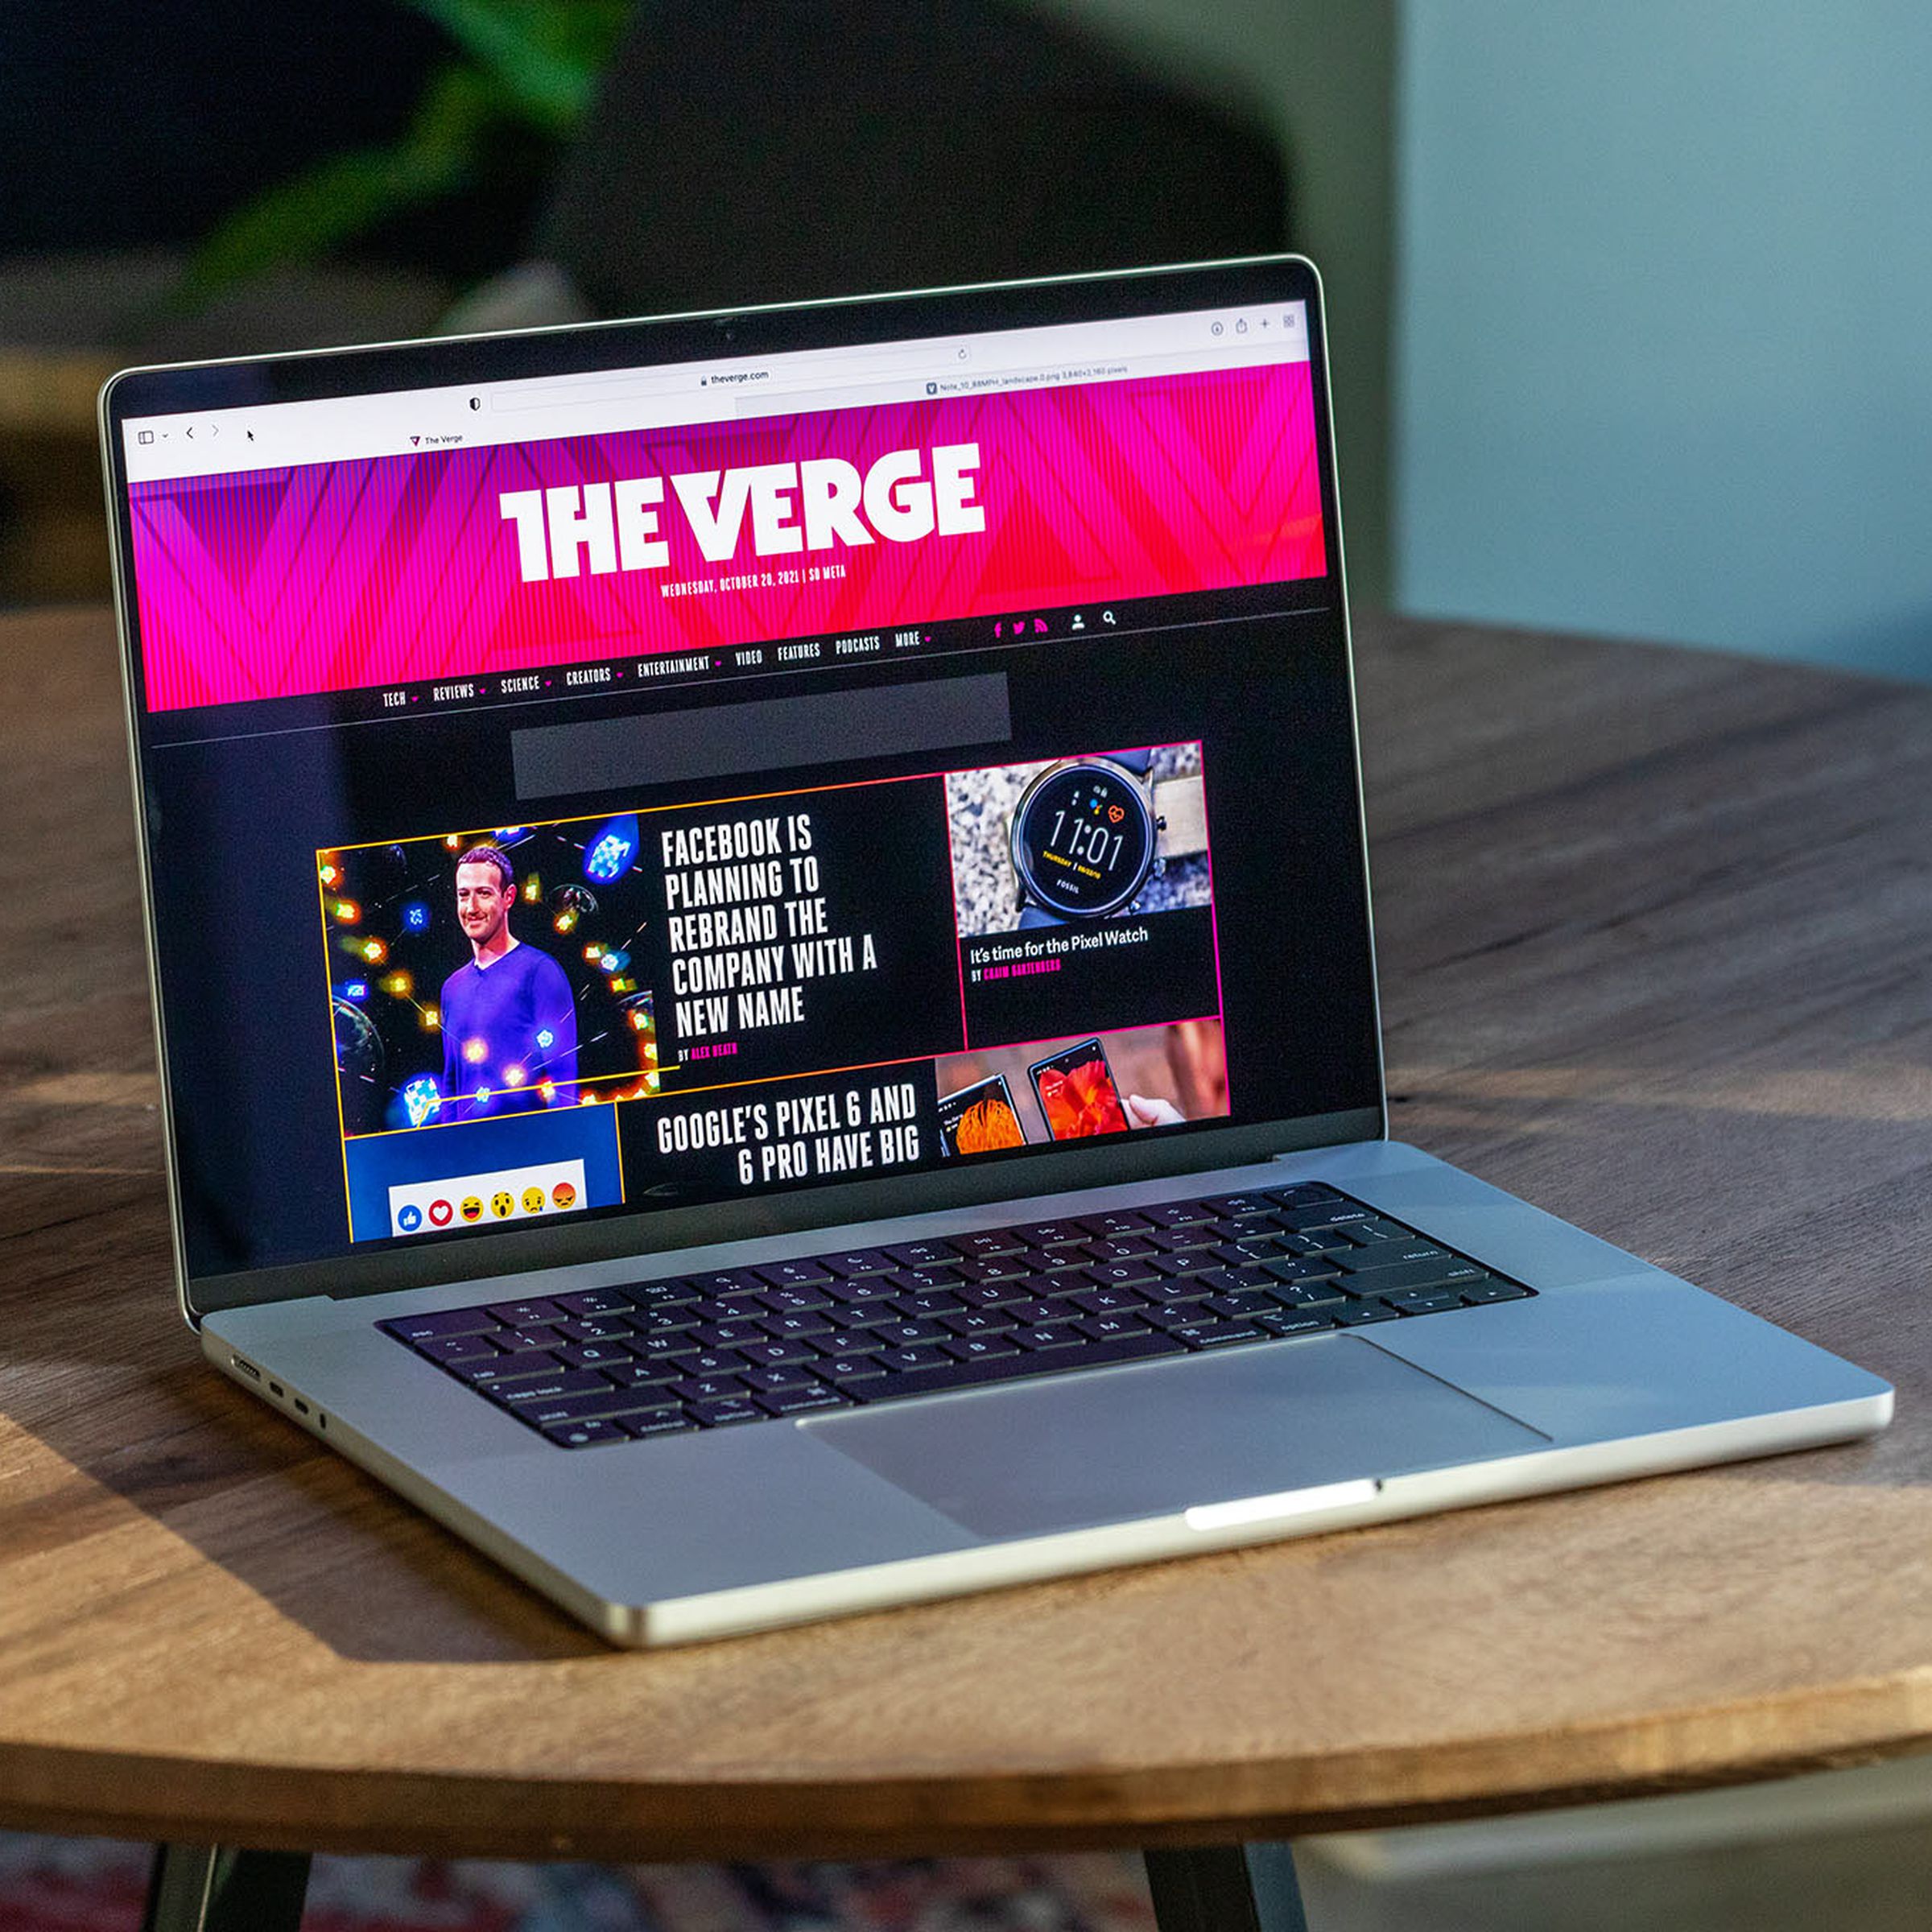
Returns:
(1653, 927)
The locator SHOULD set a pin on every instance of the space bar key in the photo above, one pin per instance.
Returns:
(1007, 1367)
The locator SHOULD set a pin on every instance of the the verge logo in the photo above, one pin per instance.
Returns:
(815, 505)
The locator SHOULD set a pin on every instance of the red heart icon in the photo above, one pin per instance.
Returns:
(1116, 813)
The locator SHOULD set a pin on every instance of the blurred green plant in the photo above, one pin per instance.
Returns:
(522, 68)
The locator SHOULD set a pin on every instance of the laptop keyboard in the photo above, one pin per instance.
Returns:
(869, 1325)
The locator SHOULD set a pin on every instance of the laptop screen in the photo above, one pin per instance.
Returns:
(686, 779)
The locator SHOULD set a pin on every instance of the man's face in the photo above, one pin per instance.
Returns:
(482, 905)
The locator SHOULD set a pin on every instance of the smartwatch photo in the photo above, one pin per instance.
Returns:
(1088, 833)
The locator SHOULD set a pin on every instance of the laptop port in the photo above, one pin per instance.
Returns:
(247, 1369)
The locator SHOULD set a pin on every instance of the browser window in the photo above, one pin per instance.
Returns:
(592, 795)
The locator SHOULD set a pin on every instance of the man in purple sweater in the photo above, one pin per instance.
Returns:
(509, 1026)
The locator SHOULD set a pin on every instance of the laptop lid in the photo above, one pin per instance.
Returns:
(609, 789)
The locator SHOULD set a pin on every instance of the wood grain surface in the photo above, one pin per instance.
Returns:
(1655, 929)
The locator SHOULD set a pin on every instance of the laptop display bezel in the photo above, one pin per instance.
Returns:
(633, 343)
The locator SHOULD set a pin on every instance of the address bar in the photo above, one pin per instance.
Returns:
(805, 370)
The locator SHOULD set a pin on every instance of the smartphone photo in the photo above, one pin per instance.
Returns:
(980, 1118)
(1076, 1092)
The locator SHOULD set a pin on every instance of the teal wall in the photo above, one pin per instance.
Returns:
(1663, 340)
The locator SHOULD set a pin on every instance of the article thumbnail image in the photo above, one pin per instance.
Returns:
(1081, 1085)
(1074, 841)
(482, 974)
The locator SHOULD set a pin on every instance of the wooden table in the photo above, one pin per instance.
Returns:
(1656, 930)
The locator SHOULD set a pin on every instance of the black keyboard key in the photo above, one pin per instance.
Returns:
(674, 1293)
(585, 1435)
(794, 1274)
(1184, 1315)
(1358, 1315)
(979, 1321)
(861, 1289)
(705, 1361)
(901, 1334)
(989, 1246)
(729, 1281)
(1102, 1327)
(899, 1360)
(594, 1327)
(799, 1301)
(709, 1388)
(1051, 1234)
(1104, 1301)
(922, 1254)
(523, 1341)
(1231, 1280)
(1232, 1207)
(1045, 1339)
(635, 1375)
(1013, 1266)
(525, 1315)
(528, 1391)
(995, 1294)
(655, 1422)
(1284, 1323)
(594, 1355)
(1243, 1306)
(727, 1334)
(721, 1414)
(428, 1327)
(1040, 1309)
(1182, 1288)
(795, 1327)
(795, 1401)
(1284, 1272)
(1120, 1248)
(935, 1302)
(767, 1354)
(669, 1322)
(981, 1348)
(1181, 1242)
(1476, 1292)
(787, 1376)
(594, 1300)
(1303, 1195)
(1121, 1274)
(1178, 1214)
(1116, 1221)
(1424, 1301)
(1391, 1254)
(1450, 1272)
(1217, 1335)
(1309, 1294)
(457, 1348)
(582, 1407)
(844, 1368)
(487, 1371)
(854, 1261)
(916, 1280)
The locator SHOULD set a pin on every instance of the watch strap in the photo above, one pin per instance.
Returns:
(1181, 805)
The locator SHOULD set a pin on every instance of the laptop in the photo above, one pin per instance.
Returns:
(761, 960)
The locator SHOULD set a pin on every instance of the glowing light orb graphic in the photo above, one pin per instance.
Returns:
(415, 916)
(358, 1046)
(547, 1037)
(373, 950)
(475, 1051)
(421, 1101)
(609, 855)
(515, 1076)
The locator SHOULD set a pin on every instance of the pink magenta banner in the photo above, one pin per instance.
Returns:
(338, 576)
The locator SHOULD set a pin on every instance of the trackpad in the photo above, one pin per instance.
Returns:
(1159, 1437)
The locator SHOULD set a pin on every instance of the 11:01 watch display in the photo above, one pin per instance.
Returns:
(1087, 835)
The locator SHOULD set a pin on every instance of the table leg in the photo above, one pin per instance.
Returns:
(1225, 1888)
(218, 1889)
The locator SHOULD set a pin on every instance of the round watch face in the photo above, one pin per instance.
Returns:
(1083, 838)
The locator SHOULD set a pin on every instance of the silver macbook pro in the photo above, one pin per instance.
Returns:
(762, 965)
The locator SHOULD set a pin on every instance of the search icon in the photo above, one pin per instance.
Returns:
(1106, 617)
